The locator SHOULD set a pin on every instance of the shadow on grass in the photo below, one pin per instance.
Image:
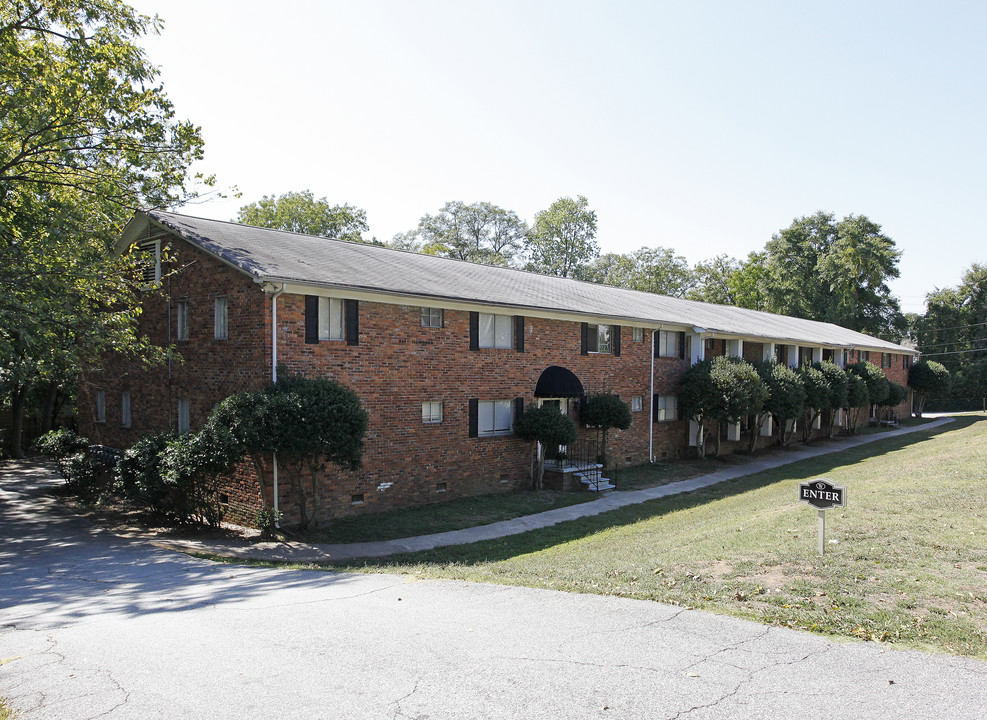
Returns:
(536, 540)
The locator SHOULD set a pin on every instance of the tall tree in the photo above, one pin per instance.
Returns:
(478, 232)
(563, 239)
(724, 280)
(87, 134)
(656, 270)
(300, 212)
(837, 272)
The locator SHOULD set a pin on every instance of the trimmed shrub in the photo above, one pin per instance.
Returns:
(61, 446)
(606, 412)
(545, 427)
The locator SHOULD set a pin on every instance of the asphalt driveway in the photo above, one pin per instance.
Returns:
(96, 626)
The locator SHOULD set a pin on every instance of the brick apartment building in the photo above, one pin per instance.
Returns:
(442, 354)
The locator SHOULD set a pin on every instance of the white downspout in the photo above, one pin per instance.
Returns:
(274, 379)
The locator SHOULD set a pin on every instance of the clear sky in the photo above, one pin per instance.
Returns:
(700, 126)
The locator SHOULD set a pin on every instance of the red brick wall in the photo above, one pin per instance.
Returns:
(397, 365)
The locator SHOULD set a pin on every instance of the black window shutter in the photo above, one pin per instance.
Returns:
(682, 345)
(474, 417)
(311, 319)
(584, 340)
(518, 408)
(474, 334)
(352, 322)
(616, 340)
(654, 408)
(519, 333)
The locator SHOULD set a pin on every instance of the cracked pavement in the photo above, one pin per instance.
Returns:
(97, 626)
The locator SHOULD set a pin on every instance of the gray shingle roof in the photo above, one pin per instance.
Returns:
(276, 255)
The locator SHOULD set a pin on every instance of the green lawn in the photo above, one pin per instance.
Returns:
(442, 517)
(909, 565)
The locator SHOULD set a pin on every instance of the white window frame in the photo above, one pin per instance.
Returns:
(637, 403)
(667, 405)
(181, 319)
(184, 415)
(638, 334)
(668, 338)
(332, 325)
(222, 318)
(100, 405)
(494, 417)
(431, 412)
(600, 342)
(125, 409)
(496, 331)
(432, 317)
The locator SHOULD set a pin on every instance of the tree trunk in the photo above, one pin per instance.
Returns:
(700, 440)
(756, 431)
(718, 441)
(17, 401)
(48, 411)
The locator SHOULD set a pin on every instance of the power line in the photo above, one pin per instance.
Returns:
(955, 327)
(954, 342)
(954, 352)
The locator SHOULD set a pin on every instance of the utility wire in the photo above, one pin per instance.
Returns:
(954, 352)
(955, 327)
(954, 342)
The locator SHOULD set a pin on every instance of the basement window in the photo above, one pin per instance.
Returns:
(356, 499)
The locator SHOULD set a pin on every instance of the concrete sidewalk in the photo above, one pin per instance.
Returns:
(311, 552)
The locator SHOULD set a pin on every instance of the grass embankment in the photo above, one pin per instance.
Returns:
(442, 517)
(909, 565)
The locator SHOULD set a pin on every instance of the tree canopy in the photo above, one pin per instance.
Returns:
(300, 212)
(563, 238)
(953, 332)
(87, 134)
(479, 232)
(835, 271)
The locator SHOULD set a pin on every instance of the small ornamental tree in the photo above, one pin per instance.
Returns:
(837, 379)
(896, 395)
(723, 390)
(545, 427)
(928, 379)
(785, 400)
(697, 396)
(857, 397)
(817, 398)
(605, 412)
(877, 383)
(307, 422)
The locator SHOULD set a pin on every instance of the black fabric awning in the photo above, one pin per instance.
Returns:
(557, 382)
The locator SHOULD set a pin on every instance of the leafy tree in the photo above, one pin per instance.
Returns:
(928, 378)
(724, 280)
(721, 390)
(836, 377)
(86, 135)
(655, 270)
(818, 397)
(877, 382)
(606, 412)
(785, 400)
(857, 397)
(953, 332)
(897, 394)
(300, 212)
(837, 272)
(611, 269)
(545, 427)
(659, 270)
(562, 240)
(476, 232)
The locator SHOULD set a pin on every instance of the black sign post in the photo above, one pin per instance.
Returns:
(822, 495)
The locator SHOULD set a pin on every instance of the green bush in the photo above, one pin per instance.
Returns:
(545, 426)
(61, 446)
(606, 412)
(138, 474)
